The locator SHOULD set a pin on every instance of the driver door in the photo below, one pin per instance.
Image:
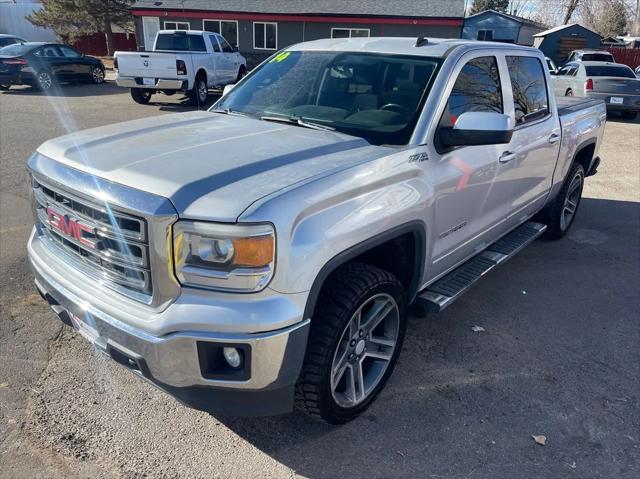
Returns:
(472, 183)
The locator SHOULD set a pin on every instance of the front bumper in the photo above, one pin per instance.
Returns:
(172, 361)
(160, 83)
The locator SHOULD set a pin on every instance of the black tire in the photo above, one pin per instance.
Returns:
(569, 92)
(97, 75)
(242, 72)
(629, 115)
(44, 80)
(199, 93)
(556, 226)
(345, 291)
(5, 87)
(141, 95)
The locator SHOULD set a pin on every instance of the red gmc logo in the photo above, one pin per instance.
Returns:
(73, 228)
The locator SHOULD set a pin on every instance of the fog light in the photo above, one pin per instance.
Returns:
(232, 357)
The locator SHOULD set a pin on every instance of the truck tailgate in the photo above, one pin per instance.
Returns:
(147, 64)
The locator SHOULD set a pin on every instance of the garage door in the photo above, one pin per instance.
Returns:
(567, 44)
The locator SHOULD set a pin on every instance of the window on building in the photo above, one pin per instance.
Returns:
(176, 26)
(529, 89)
(265, 36)
(349, 32)
(227, 28)
(485, 35)
(477, 88)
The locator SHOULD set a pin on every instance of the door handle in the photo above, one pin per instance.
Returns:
(507, 156)
(554, 138)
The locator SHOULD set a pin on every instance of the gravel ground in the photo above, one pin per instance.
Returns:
(559, 356)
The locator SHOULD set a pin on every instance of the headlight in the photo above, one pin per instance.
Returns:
(224, 257)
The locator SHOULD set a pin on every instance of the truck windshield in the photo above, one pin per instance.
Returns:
(373, 96)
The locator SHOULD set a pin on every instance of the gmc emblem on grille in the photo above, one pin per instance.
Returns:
(71, 227)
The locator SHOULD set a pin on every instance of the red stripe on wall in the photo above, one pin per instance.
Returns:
(451, 22)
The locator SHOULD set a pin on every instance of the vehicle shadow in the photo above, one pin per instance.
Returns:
(616, 117)
(71, 90)
(180, 102)
(559, 345)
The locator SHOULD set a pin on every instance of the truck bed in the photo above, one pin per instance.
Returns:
(567, 104)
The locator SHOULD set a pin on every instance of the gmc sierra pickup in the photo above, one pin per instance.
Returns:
(264, 253)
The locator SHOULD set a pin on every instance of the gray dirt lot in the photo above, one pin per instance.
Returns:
(559, 356)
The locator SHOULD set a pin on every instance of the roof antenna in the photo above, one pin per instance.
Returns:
(421, 41)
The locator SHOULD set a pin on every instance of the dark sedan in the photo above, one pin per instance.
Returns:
(43, 64)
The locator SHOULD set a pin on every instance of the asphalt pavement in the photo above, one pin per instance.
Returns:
(559, 355)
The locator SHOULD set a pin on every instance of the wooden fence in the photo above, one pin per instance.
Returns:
(628, 56)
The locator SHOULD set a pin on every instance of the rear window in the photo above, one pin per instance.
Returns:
(16, 49)
(4, 41)
(597, 57)
(529, 89)
(606, 71)
(180, 42)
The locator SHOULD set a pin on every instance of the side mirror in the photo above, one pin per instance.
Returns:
(478, 128)
(227, 89)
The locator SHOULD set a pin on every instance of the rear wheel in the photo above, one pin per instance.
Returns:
(355, 338)
(565, 207)
(569, 92)
(141, 95)
(199, 93)
(45, 80)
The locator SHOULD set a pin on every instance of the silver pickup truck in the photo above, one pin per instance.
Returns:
(264, 253)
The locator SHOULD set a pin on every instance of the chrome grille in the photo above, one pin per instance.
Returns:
(108, 245)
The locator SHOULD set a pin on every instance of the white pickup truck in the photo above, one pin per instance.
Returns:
(182, 60)
(268, 249)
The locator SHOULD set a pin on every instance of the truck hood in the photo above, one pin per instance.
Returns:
(210, 165)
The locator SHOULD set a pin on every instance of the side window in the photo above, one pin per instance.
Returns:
(48, 51)
(529, 89)
(214, 43)
(196, 43)
(225, 45)
(69, 52)
(477, 88)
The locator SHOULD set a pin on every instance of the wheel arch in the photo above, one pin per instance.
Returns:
(585, 154)
(408, 235)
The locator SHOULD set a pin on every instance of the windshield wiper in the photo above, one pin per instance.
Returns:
(297, 120)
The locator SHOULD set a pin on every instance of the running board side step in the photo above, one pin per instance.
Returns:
(447, 289)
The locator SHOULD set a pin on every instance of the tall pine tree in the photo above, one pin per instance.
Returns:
(71, 18)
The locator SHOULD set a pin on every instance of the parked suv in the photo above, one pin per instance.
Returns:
(265, 252)
(590, 56)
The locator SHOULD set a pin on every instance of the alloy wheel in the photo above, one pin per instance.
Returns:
(44, 80)
(202, 91)
(98, 75)
(365, 350)
(572, 199)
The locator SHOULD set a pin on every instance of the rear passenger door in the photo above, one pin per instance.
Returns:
(49, 58)
(536, 138)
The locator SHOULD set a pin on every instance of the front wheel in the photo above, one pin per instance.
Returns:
(141, 95)
(355, 339)
(565, 206)
(97, 75)
(242, 72)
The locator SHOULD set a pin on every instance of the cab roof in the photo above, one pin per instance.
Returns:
(430, 47)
